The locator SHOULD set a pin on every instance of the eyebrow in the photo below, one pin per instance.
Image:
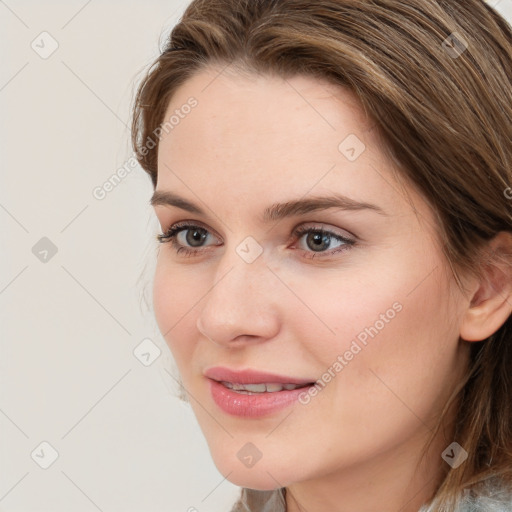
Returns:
(276, 211)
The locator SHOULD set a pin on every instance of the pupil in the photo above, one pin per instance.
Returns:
(195, 237)
(320, 241)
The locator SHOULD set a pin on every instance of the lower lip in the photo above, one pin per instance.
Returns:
(258, 404)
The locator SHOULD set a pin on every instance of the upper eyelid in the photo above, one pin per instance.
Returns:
(329, 230)
(184, 225)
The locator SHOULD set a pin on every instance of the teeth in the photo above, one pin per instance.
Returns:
(253, 388)
(272, 388)
(291, 386)
(259, 388)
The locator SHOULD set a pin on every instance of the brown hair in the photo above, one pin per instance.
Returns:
(444, 113)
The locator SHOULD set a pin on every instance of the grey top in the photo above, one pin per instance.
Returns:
(261, 501)
(493, 496)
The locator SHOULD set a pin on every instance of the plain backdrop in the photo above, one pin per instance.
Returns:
(89, 414)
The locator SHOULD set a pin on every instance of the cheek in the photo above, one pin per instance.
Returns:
(411, 366)
(175, 293)
(400, 295)
(339, 307)
(402, 330)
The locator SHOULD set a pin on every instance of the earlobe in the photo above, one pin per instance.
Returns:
(491, 302)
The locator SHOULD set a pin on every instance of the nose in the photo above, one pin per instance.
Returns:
(241, 305)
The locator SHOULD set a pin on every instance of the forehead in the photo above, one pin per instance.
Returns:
(233, 106)
(260, 136)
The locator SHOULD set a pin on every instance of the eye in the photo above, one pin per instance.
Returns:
(192, 239)
(187, 238)
(319, 241)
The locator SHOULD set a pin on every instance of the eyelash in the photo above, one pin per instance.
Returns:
(172, 232)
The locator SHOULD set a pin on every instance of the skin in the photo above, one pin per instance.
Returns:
(256, 140)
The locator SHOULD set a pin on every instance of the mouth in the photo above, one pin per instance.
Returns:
(252, 393)
(256, 389)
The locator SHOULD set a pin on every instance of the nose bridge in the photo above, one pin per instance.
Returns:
(242, 268)
(239, 301)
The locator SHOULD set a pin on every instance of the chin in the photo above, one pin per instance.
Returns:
(261, 476)
(258, 482)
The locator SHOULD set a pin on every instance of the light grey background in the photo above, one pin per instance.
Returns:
(71, 321)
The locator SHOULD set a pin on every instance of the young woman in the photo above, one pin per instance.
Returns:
(333, 180)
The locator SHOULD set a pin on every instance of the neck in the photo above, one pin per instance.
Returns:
(398, 480)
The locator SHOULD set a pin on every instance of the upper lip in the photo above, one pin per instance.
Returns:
(249, 376)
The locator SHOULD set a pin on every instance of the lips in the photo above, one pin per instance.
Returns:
(252, 393)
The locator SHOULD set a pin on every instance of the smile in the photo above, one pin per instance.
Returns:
(261, 388)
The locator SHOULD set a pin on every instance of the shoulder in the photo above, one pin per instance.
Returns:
(491, 496)
(260, 501)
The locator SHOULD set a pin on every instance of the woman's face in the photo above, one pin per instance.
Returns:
(360, 299)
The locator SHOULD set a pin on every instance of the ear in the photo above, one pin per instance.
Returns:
(491, 299)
